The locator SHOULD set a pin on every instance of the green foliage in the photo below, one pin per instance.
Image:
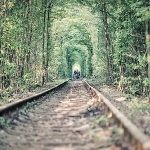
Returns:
(102, 119)
(42, 41)
(116, 135)
(73, 40)
(139, 106)
(2, 121)
(142, 12)
(5, 122)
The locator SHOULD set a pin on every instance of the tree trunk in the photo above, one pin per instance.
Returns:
(43, 48)
(107, 39)
(147, 23)
(48, 43)
(148, 52)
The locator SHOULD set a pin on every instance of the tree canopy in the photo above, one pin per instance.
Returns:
(44, 40)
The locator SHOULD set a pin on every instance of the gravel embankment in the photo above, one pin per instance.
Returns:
(137, 110)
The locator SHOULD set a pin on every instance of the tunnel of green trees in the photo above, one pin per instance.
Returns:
(46, 40)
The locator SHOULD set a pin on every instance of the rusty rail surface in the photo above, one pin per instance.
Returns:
(138, 140)
(8, 108)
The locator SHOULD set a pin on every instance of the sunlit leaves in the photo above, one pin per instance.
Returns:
(75, 35)
(10, 4)
(142, 12)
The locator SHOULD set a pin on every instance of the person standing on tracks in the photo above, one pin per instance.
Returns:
(76, 74)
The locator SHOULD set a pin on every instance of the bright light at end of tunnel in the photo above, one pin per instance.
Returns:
(76, 66)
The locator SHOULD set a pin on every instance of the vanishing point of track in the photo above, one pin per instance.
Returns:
(70, 118)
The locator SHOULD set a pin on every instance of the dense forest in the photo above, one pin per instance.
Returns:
(45, 40)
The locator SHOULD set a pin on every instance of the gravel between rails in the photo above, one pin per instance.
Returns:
(65, 120)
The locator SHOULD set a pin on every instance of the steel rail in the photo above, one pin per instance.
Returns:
(8, 108)
(138, 140)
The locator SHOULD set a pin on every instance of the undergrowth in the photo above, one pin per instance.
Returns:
(12, 94)
(5, 122)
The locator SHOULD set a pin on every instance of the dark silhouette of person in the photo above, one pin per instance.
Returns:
(76, 74)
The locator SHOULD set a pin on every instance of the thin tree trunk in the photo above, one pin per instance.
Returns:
(147, 23)
(48, 43)
(148, 52)
(43, 48)
(107, 39)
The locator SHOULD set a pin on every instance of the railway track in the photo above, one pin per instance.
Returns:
(69, 118)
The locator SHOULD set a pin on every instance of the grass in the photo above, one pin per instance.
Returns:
(141, 106)
(9, 95)
(5, 122)
(102, 119)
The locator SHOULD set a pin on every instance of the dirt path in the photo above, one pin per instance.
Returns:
(65, 120)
